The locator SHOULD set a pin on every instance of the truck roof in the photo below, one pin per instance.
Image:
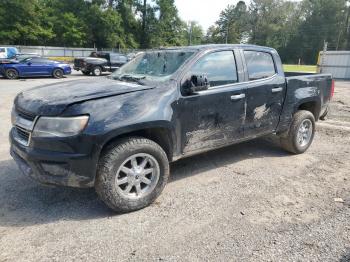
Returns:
(219, 46)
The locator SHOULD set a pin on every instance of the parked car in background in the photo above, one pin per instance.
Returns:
(18, 57)
(118, 134)
(99, 62)
(34, 66)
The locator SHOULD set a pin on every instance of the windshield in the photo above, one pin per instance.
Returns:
(154, 66)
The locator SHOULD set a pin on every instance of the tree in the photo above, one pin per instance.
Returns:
(104, 27)
(194, 33)
(169, 27)
(233, 23)
(27, 24)
(129, 23)
(322, 20)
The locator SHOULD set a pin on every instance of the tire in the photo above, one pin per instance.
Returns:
(125, 197)
(86, 72)
(11, 73)
(97, 71)
(295, 142)
(57, 73)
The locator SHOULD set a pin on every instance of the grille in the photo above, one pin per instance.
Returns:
(23, 135)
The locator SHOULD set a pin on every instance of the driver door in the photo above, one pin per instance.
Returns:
(213, 117)
(36, 67)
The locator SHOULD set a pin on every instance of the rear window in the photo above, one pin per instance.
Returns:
(260, 65)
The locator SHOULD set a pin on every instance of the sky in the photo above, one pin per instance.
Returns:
(205, 12)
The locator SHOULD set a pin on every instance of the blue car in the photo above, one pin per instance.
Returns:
(34, 66)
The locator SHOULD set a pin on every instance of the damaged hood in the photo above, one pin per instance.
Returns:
(53, 99)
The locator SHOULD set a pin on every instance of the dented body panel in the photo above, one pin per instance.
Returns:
(188, 124)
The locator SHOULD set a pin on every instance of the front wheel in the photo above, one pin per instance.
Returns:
(132, 174)
(57, 73)
(301, 133)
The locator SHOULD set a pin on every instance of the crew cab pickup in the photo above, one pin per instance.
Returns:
(99, 62)
(119, 133)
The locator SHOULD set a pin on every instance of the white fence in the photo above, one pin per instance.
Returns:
(55, 51)
(336, 63)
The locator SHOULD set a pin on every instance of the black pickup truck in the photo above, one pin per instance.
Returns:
(119, 133)
(99, 62)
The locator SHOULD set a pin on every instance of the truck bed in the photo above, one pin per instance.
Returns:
(305, 88)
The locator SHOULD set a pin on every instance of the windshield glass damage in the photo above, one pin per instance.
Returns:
(156, 66)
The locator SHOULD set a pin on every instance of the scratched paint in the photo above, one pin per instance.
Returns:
(260, 112)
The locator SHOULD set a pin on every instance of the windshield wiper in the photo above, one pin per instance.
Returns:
(131, 78)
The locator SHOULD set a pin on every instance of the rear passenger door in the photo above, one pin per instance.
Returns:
(265, 93)
(213, 117)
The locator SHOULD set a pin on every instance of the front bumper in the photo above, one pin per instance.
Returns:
(54, 168)
(67, 70)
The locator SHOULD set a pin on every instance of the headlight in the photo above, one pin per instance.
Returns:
(60, 126)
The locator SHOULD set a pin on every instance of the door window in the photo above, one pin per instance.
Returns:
(260, 65)
(220, 68)
(39, 60)
(115, 58)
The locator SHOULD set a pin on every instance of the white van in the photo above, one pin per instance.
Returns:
(8, 52)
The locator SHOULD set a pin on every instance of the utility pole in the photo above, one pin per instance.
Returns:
(323, 61)
(347, 31)
(190, 33)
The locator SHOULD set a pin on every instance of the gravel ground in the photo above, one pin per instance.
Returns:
(248, 202)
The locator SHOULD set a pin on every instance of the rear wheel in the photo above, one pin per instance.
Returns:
(300, 134)
(132, 174)
(11, 73)
(57, 73)
(97, 71)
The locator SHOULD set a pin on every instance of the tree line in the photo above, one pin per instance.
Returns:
(88, 23)
(297, 30)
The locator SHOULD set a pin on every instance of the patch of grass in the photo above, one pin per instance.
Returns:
(300, 68)
(66, 59)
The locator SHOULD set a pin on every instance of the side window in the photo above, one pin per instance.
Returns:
(39, 60)
(260, 65)
(220, 67)
(114, 58)
(123, 59)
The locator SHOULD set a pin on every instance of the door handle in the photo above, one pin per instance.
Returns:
(237, 97)
(277, 90)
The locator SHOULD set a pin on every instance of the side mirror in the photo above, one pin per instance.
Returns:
(29, 63)
(196, 83)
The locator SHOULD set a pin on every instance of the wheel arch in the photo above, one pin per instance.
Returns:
(160, 134)
(312, 105)
(14, 68)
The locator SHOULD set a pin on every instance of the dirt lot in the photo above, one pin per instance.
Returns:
(249, 202)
